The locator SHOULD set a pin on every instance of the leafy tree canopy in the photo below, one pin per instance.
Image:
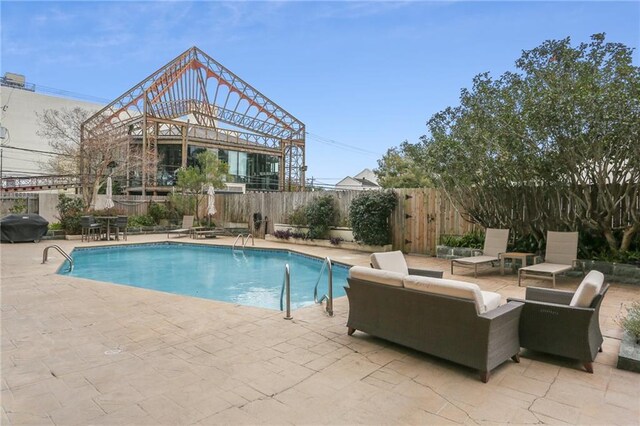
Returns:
(551, 146)
(402, 167)
(193, 181)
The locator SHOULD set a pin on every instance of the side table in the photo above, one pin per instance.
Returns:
(514, 256)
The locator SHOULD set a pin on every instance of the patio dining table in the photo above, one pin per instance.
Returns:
(108, 220)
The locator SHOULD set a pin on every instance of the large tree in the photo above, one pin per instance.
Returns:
(402, 167)
(91, 159)
(551, 146)
(193, 181)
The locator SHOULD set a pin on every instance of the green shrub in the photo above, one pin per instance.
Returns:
(140, 221)
(19, 206)
(113, 211)
(321, 213)
(472, 239)
(55, 226)
(70, 210)
(180, 205)
(629, 257)
(298, 217)
(158, 212)
(369, 217)
(631, 322)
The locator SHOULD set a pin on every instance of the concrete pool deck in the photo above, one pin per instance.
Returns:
(76, 351)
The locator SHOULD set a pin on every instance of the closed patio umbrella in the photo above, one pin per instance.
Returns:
(109, 203)
(211, 201)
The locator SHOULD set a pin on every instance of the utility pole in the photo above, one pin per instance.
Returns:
(4, 140)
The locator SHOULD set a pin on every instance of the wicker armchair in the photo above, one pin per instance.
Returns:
(564, 323)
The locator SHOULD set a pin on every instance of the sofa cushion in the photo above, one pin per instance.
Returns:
(390, 261)
(588, 289)
(491, 300)
(376, 276)
(453, 288)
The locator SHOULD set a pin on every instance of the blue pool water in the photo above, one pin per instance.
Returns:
(253, 277)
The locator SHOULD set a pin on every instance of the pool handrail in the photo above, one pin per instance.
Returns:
(244, 241)
(286, 289)
(45, 255)
(236, 240)
(329, 296)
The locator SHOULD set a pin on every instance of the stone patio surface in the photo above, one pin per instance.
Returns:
(76, 351)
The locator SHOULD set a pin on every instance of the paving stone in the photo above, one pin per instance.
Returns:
(77, 351)
(556, 410)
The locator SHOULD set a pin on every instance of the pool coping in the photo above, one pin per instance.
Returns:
(181, 243)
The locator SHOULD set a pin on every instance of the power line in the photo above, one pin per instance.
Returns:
(70, 94)
(37, 151)
(341, 145)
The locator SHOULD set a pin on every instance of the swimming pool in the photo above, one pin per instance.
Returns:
(251, 277)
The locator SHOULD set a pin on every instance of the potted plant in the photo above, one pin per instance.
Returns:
(629, 355)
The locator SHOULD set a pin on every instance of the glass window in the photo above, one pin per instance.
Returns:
(242, 164)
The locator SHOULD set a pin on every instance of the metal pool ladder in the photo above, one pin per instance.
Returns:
(286, 291)
(329, 296)
(45, 255)
(244, 241)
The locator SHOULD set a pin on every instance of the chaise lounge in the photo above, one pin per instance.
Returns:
(495, 243)
(449, 319)
(185, 229)
(560, 256)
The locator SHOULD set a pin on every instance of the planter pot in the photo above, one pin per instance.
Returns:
(73, 237)
(334, 232)
(327, 243)
(629, 354)
(238, 225)
(447, 252)
(340, 232)
(619, 272)
(291, 228)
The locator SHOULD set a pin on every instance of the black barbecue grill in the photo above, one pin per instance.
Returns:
(23, 227)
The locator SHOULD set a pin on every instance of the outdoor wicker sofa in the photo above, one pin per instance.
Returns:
(449, 319)
(565, 323)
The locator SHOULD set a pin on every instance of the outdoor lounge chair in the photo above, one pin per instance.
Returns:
(564, 323)
(495, 243)
(394, 261)
(560, 256)
(187, 224)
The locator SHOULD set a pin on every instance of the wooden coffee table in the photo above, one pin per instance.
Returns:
(514, 255)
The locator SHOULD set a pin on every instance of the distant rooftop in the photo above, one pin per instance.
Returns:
(17, 81)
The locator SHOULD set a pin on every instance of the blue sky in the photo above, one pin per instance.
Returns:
(362, 76)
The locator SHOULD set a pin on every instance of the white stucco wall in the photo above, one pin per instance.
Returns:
(18, 116)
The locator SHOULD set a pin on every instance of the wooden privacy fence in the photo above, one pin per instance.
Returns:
(421, 215)
(133, 204)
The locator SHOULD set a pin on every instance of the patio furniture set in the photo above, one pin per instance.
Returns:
(560, 256)
(457, 321)
(100, 227)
